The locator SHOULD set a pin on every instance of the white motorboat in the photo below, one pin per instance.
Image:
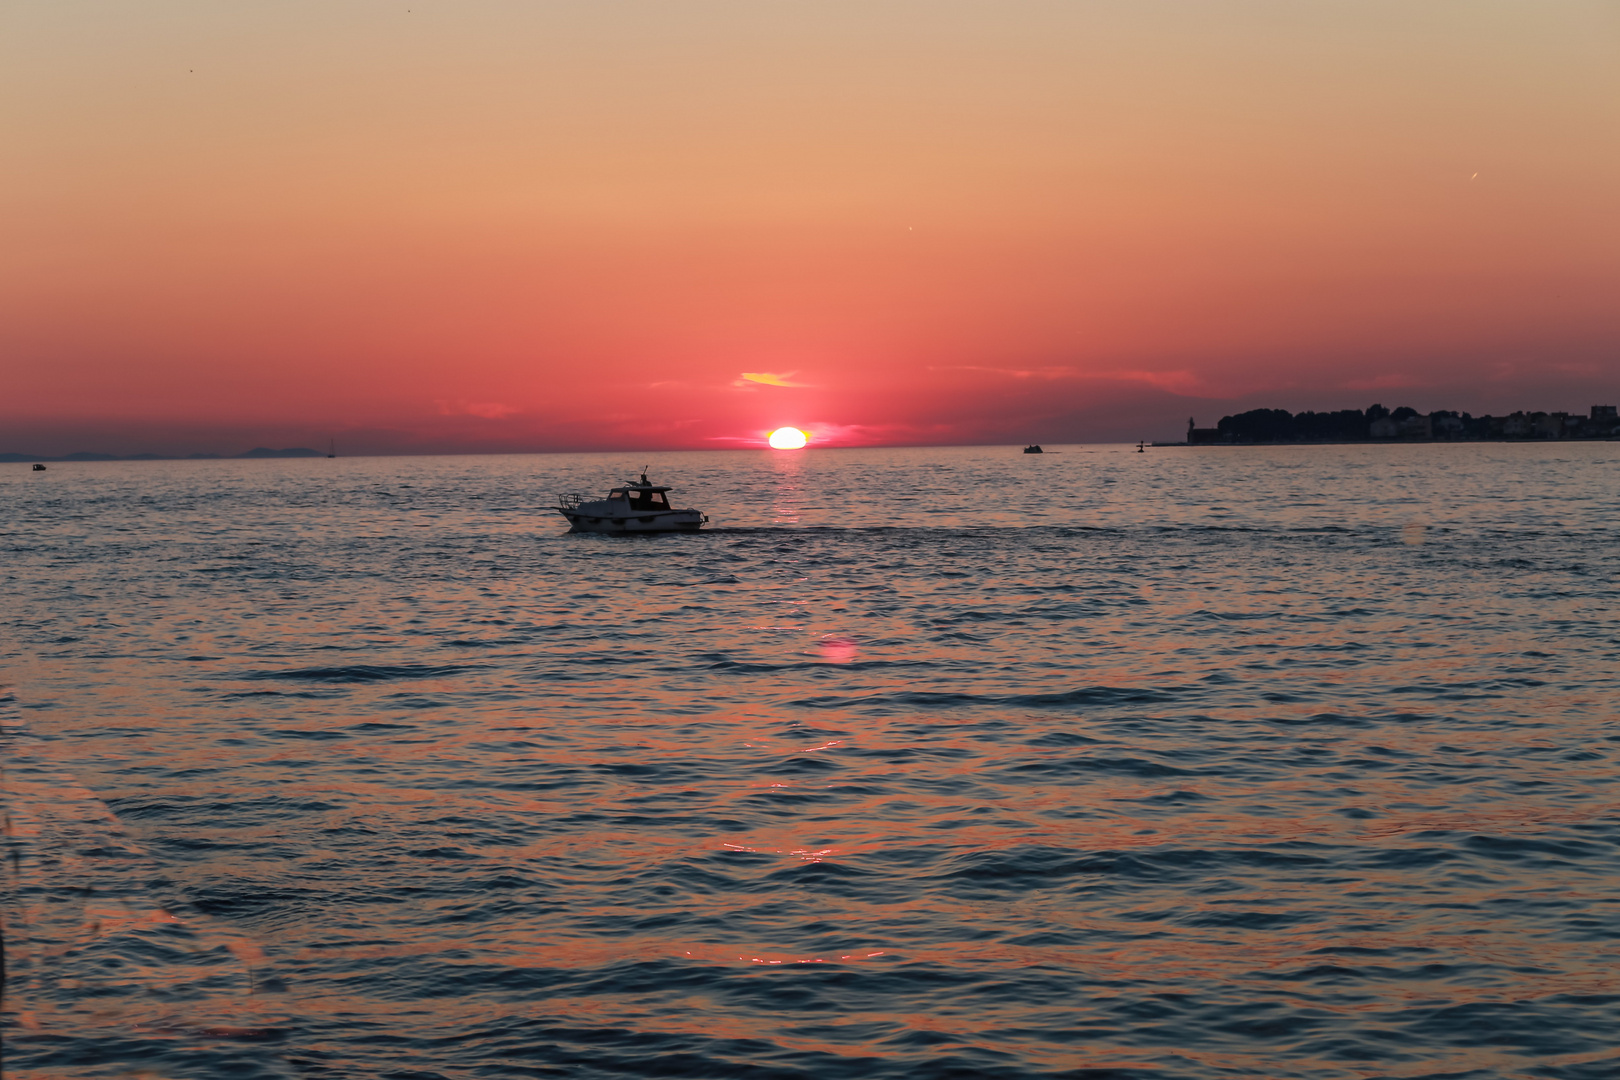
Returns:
(634, 507)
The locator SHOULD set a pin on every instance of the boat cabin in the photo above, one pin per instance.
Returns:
(642, 497)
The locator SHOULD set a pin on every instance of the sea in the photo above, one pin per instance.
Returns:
(1222, 762)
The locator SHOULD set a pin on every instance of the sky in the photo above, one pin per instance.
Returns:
(473, 226)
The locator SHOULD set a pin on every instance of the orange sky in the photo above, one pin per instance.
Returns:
(447, 226)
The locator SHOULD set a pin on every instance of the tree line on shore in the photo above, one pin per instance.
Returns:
(1378, 423)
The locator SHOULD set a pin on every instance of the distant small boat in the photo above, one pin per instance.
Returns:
(1036, 449)
(38, 467)
(634, 507)
(331, 448)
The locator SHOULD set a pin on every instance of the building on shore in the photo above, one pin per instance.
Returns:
(1405, 424)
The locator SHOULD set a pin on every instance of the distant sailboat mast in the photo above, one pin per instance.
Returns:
(331, 448)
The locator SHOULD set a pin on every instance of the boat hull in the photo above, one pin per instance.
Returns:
(663, 521)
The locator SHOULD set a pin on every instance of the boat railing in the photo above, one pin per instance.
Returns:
(570, 500)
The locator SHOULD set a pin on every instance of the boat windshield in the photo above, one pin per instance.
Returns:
(648, 500)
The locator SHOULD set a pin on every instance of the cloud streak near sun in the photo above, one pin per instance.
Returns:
(488, 410)
(768, 378)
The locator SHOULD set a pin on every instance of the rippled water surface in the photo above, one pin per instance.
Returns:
(1294, 762)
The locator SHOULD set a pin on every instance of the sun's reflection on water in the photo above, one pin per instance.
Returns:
(788, 491)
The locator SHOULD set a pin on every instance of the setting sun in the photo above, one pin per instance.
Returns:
(788, 438)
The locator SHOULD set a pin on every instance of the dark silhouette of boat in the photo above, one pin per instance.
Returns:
(38, 467)
(331, 448)
(1035, 449)
(630, 507)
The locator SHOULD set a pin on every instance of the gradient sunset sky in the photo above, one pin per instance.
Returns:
(510, 226)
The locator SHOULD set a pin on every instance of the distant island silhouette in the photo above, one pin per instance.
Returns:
(84, 455)
(1405, 424)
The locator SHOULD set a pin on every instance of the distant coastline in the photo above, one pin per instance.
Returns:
(256, 452)
(1377, 424)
